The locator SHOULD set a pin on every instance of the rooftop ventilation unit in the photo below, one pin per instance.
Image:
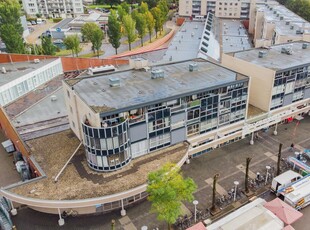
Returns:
(3, 70)
(101, 69)
(193, 67)
(287, 23)
(36, 61)
(292, 27)
(278, 15)
(262, 54)
(271, 8)
(281, 18)
(287, 50)
(157, 73)
(299, 31)
(304, 45)
(53, 98)
(274, 12)
(114, 82)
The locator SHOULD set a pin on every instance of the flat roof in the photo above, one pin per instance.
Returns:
(234, 36)
(45, 109)
(276, 60)
(63, 24)
(137, 87)
(301, 189)
(16, 70)
(185, 43)
(52, 152)
(274, 13)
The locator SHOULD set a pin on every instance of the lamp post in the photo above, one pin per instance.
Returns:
(236, 183)
(267, 173)
(195, 202)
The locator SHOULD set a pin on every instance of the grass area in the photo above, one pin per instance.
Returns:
(63, 53)
(100, 6)
(90, 55)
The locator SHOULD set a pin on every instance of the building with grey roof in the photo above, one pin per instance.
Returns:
(19, 78)
(279, 75)
(131, 113)
(272, 24)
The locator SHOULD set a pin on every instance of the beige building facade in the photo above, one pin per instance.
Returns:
(221, 8)
(271, 23)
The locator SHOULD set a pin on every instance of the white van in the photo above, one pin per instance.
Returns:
(283, 180)
(39, 21)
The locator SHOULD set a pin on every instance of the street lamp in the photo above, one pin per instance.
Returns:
(267, 174)
(195, 202)
(236, 183)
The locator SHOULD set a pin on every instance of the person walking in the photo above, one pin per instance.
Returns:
(292, 147)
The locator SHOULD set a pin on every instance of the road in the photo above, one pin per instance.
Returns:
(228, 161)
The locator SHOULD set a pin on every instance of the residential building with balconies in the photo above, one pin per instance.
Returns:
(220, 8)
(53, 8)
(127, 114)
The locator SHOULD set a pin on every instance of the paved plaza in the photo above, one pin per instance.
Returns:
(228, 161)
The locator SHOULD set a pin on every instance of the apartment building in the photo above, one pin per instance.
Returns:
(280, 75)
(220, 8)
(272, 24)
(131, 113)
(53, 8)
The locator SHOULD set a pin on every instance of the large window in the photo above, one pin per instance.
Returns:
(159, 124)
(159, 140)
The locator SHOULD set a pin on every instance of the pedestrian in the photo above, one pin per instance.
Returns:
(292, 147)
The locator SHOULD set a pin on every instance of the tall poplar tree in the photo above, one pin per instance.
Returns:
(11, 30)
(114, 30)
(129, 29)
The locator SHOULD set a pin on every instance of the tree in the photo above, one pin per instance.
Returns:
(121, 12)
(72, 43)
(111, 2)
(167, 190)
(213, 207)
(129, 29)
(141, 26)
(150, 23)
(11, 30)
(114, 31)
(247, 165)
(143, 8)
(158, 19)
(92, 32)
(97, 40)
(279, 159)
(164, 10)
(47, 45)
(151, 3)
(125, 7)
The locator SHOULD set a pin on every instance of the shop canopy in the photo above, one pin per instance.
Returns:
(198, 226)
(283, 211)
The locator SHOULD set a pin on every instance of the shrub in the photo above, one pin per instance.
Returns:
(56, 20)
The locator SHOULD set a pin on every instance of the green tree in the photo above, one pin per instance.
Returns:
(167, 190)
(92, 32)
(121, 12)
(164, 10)
(134, 14)
(97, 40)
(126, 7)
(156, 12)
(11, 30)
(47, 45)
(110, 2)
(114, 31)
(151, 3)
(150, 23)
(129, 29)
(72, 43)
(143, 8)
(141, 26)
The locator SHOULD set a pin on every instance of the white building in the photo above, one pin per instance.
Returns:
(20, 78)
(53, 8)
(221, 8)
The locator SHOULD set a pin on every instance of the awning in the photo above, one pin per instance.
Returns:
(283, 211)
(198, 226)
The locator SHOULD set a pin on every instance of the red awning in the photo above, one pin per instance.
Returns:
(198, 226)
(283, 211)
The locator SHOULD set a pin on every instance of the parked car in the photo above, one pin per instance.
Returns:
(33, 22)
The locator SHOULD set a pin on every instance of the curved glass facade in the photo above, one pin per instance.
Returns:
(107, 148)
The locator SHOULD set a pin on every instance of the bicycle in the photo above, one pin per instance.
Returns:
(71, 212)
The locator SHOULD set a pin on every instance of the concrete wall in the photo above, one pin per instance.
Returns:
(185, 7)
(78, 111)
(261, 80)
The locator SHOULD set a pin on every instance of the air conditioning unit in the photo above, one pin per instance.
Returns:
(53, 98)
(36, 61)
